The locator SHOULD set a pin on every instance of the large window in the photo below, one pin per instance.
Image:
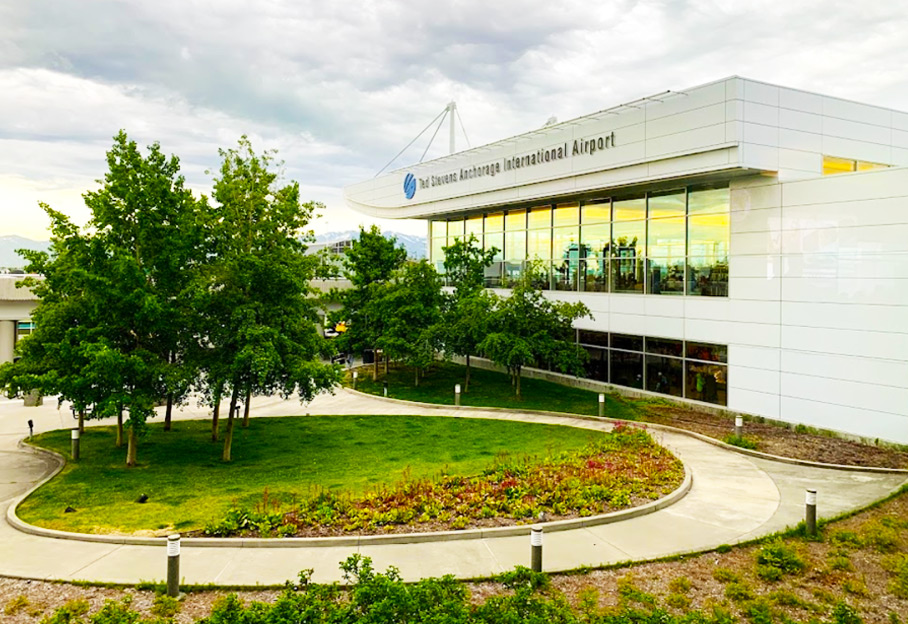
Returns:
(672, 242)
(693, 370)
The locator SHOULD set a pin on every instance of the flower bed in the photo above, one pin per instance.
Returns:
(623, 468)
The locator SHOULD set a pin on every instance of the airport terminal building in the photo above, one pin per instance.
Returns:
(738, 244)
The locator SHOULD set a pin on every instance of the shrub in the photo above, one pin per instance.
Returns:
(758, 612)
(678, 601)
(165, 606)
(844, 613)
(69, 613)
(897, 566)
(881, 536)
(854, 586)
(16, 604)
(680, 584)
(116, 612)
(630, 593)
(776, 559)
(738, 591)
(741, 442)
(724, 575)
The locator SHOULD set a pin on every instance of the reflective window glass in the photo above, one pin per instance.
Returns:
(629, 209)
(869, 166)
(596, 211)
(540, 217)
(628, 238)
(666, 276)
(564, 274)
(708, 235)
(455, 228)
(626, 276)
(665, 375)
(588, 337)
(512, 272)
(626, 369)
(596, 364)
(539, 244)
(566, 243)
(515, 245)
(542, 275)
(473, 225)
(566, 214)
(707, 277)
(704, 200)
(707, 382)
(495, 222)
(706, 351)
(626, 342)
(833, 165)
(667, 204)
(594, 275)
(495, 241)
(664, 346)
(437, 251)
(439, 229)
(665, 237)
(594, 240)
(493, 274)
(515, 220)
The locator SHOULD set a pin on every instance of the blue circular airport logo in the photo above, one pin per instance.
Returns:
(410, 186)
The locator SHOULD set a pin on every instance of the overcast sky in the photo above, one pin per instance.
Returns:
(340, 87)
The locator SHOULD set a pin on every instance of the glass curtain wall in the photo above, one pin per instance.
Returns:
(693, 370)
(672, 242)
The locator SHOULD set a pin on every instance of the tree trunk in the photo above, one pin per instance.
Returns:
(81, 421)
(374, 364)
(215, 414)
(120, 427)
(518, 383)
(246, 409)
(385, 358)
(416, 383)
(466, 383)
(169, 412)
(131, 447)
(228, 435)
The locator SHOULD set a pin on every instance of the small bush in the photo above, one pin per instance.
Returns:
(741, 442)
(678, 601)
(629, 592)
(776, 559)
(897, 566)
(69, 613)
(878, 535)
(847, 538)
(16, 604)
(855, 587)
(758, 612)
(116, 612)
(165, 606)
(680, 585)
(724, 575)
(738, 591)
(844, 613)
(839, 560)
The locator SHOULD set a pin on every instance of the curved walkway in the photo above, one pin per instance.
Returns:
(733, 498)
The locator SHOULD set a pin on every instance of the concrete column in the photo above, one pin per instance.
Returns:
(7, 340)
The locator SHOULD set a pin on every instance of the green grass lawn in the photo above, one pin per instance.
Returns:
(493, 389)
(188, 485)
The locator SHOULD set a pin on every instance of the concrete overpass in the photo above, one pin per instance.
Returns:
(16, 305)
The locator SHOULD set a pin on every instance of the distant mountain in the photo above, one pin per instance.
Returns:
(415, 245)
(9, 259)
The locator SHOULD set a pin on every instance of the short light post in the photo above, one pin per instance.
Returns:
(173, 565)
(601, 405)
(384, 388)
(457, 394)
(355, 375)
(739, 426)
(74, 433)
(536, 548)
(31, 429)
(810, 512)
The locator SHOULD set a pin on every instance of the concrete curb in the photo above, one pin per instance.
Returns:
(358, 540)
(699, 436)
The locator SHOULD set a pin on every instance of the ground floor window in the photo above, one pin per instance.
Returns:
(687, 369)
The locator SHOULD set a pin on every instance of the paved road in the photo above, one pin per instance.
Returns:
(733, 498)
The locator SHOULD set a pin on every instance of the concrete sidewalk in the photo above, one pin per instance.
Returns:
(733, 498)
